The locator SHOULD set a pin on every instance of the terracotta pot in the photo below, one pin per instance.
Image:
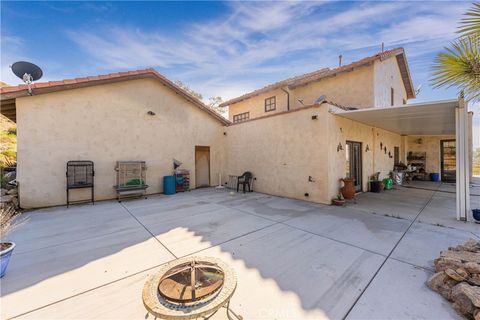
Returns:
(348, 189)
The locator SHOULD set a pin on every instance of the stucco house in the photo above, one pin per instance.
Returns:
(380, 80)
(296, 144)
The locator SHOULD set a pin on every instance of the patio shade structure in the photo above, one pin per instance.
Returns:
(447, 117)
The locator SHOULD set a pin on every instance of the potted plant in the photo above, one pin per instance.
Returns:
(476, 215)
(339, 200)
(376, 185)
(6, 247)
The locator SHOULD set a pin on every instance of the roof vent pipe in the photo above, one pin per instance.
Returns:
(340, 60)
(383, 47)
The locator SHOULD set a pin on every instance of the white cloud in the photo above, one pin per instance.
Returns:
(256, 43)
(12, 49)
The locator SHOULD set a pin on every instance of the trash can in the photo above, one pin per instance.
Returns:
(169, 185)
(434, 176)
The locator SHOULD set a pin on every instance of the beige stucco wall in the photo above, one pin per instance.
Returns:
(256, 105)
(365, 87)
(105, 124)
(352, 89)
(386, 76)
(373, 160)
(282, 151)
(430, 145)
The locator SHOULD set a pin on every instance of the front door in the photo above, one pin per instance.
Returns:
(448, 160)
(202, 166)
(353, 155)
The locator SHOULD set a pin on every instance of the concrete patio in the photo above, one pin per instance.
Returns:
(294, 259)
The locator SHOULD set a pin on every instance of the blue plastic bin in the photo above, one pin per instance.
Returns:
(434, 176)
(5, 259)
(169, 185)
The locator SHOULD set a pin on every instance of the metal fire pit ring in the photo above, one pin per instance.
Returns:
(160, 307)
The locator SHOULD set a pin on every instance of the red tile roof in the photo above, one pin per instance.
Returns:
(307, 78)
(12, 92)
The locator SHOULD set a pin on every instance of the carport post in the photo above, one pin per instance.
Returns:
(462, 162)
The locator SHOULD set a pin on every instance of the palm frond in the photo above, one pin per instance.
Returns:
(471, 22)
(459, 67)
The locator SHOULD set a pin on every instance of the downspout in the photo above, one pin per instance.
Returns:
(288, 98)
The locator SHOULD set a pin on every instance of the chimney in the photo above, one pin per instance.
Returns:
(383, 47)
(340, 60)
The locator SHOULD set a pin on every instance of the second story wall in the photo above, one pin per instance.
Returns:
(388, 84)
(255, 106)
(351, 89)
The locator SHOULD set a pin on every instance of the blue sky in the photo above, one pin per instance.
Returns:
(225, 48)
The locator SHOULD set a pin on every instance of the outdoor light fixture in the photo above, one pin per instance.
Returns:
(339, 147)
(381, 145)
(367, 148)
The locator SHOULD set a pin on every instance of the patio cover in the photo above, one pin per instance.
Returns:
(430, 118)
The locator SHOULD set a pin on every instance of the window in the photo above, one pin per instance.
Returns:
(392, 97)
(241, 117)
(270, 104)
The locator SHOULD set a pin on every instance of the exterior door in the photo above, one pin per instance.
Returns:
(448, 160)
(202, 166)
(353, 153)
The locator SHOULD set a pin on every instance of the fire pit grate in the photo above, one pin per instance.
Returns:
(189, 288)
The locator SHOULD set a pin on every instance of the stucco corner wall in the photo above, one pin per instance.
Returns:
(374, 160)
(282, 152)
(105, 124)
(386, 76)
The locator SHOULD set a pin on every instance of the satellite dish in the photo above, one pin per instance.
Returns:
(28, 72)
(321, 99)
(176, 164)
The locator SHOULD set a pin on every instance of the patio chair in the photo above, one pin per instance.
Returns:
(245, 180)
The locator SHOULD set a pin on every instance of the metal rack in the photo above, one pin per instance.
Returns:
(80, 175)
(131, 179)
(419, 161)
(182, 180)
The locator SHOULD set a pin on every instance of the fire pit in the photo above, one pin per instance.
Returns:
(189, 288)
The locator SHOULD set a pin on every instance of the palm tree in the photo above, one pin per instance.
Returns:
(471, 23)
(459, 66)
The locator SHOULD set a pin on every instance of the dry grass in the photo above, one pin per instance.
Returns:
(7, 213)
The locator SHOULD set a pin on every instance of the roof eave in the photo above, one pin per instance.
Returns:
(149, 73)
